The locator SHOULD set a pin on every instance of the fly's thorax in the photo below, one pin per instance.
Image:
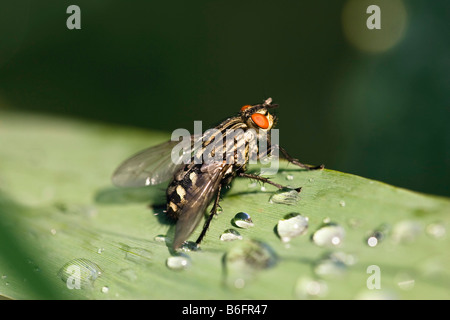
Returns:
(233, 142)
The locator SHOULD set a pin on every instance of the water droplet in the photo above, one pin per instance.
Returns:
(239, 283)
(404, 281)
(307, 288)
(34, 265)
(334, 264)
(242, 220)
(326, 220)
(105, 289)
(100, 250)
(263, 188)
(178, 262)
(292, 225)
(355, 222)
(82, 210)
(53, 231)
(285, 196)
(188, 246)
(128, 274)
(406, 231)
(435, 268)
(436, 230)
(329, 234)
(252, 185)
(342, 203)
(137, 255)
(290, 177)
(372, 241)
(245, 259)
(161, 238)
(79, 273)
(230, 235)
(376, 236)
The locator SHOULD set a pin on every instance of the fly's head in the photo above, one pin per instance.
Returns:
(258, 117)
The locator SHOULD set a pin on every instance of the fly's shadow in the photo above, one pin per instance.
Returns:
(153, 196)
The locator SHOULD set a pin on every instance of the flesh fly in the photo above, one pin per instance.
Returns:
(212, 161)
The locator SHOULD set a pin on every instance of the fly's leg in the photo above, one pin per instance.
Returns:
(264, 180)
(211, 216)
(298, 163)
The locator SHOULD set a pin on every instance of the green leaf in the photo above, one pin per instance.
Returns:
(61, 217)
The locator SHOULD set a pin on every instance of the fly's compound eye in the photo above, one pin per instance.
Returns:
(245, 107)
(260, 120)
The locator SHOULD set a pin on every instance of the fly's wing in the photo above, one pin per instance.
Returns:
(149, 167)
(197, 199)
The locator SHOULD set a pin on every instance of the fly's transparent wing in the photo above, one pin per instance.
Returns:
(148, 167)
(197, 199)
(155, 164)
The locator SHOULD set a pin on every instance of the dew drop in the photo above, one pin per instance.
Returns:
(308, 288)
(105, 289)
(34, 265)
(404, 281)
(79, 273)
(81, 210)
(242, 220)
(434, 267)
(342, 203)
(290, 177)
(245, 259)
(230, 235)
(137, 255)
(330, 234)
(178, 262)
(372, 241)
(355, 222)
(291, 226)
(377, 235)
(161, 238)
(285, 196)
(436, 230)
(128, 273)
(333, 264)
(252, 185)
(406, 231)
(188, 246)
(239, 283)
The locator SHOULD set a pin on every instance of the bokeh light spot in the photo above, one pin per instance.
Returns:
(393, 24)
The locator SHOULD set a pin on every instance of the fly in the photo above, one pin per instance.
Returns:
(195, 184)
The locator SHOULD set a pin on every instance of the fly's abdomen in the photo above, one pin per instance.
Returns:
(178, 192)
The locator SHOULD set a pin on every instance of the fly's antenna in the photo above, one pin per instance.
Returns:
(268, 103)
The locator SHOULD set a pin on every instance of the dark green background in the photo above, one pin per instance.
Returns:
(163, 64)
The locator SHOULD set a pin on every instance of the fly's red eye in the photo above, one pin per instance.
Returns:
(245, 107)
(260, 120)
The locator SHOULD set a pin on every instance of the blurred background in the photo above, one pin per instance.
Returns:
(369, 102)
